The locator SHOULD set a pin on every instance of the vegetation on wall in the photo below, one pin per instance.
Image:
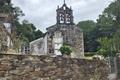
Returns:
(65, 50)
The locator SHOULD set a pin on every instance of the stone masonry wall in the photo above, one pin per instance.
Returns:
(25, 67)
(118, 68)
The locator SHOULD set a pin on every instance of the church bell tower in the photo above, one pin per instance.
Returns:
(64, 15)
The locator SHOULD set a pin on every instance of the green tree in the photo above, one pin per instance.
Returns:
(90, 35)
(108, 26)
(108, 47)
(105, 46)
(25, 31)
(38, 34)
(109, 22)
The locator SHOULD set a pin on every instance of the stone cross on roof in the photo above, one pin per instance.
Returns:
(64, 1)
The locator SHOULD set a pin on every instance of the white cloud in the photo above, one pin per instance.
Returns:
(42, 13)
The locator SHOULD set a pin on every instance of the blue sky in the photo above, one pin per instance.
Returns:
(42, 13)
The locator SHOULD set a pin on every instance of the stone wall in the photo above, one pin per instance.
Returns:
(20, 67)
(72, 36)
(118, 67)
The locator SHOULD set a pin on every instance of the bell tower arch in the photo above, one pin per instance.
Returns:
(64, 15)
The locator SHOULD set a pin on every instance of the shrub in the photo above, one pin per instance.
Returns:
(65, 50)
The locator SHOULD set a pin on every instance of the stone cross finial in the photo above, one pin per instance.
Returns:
(64, 1)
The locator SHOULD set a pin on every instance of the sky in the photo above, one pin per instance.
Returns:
(42, 13)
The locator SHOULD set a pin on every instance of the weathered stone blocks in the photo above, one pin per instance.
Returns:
(27, 67)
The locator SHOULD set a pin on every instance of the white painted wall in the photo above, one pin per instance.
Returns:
(34, 47)
(8, 28)
(57, 42)
(39, 46)
(45, 44)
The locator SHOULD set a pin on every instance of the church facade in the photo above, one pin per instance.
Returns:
(63, 32)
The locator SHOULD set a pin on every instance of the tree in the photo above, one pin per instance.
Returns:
(105, 46)
(109, 47)
(65, 50)
(25, 31)
(38, 34)
(108, 22)
(108, 26)
(28, 30)
(90, 35)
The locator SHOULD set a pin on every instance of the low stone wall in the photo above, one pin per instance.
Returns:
(20, 67)
(118, 68)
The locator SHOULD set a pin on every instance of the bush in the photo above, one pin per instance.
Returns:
(65, 50)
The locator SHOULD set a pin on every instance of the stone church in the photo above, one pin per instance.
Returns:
(64, 31)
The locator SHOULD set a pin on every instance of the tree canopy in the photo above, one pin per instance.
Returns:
(109, 27)
(105, 33)
(25, 31)
(88, 28)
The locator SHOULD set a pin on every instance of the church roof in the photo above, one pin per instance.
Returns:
(37, 41)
